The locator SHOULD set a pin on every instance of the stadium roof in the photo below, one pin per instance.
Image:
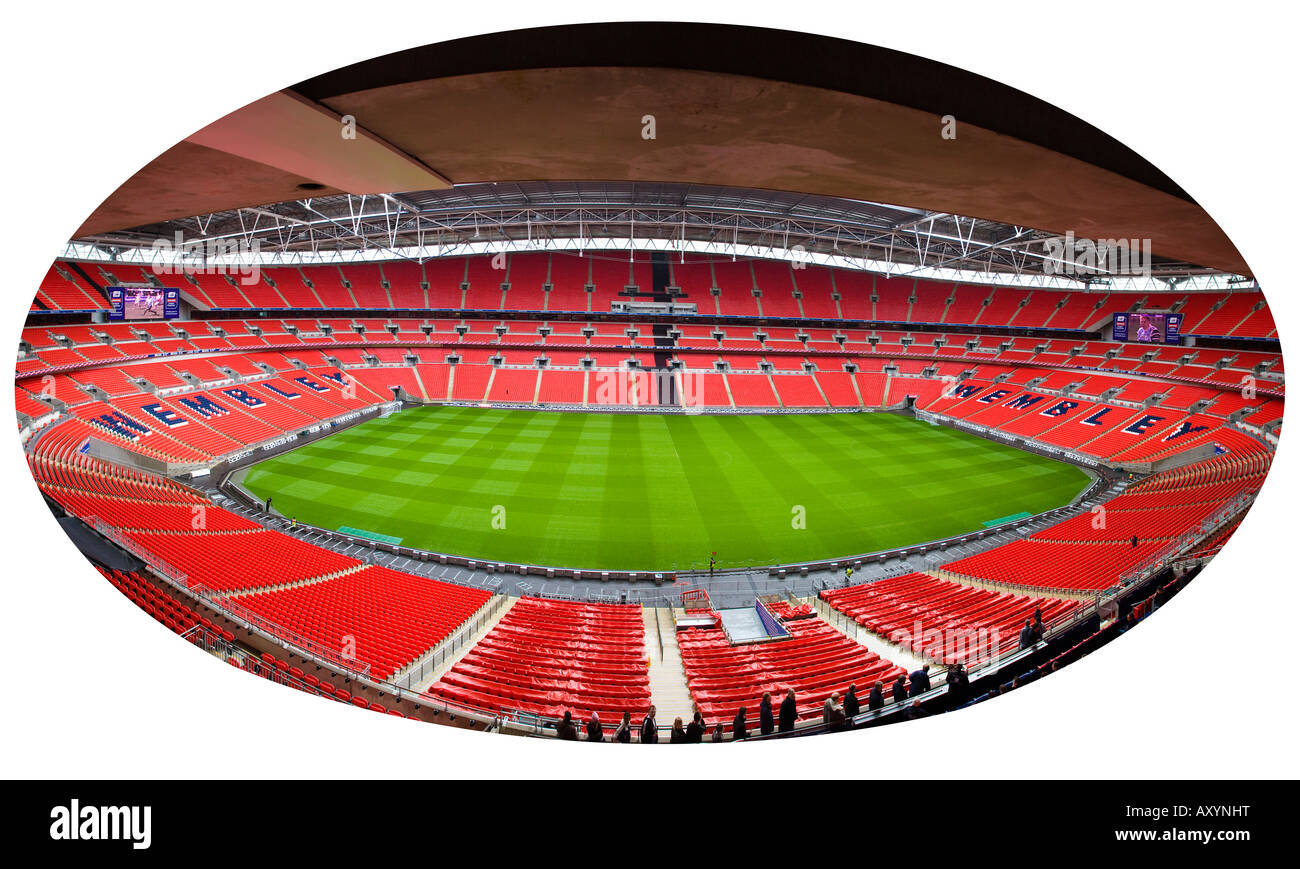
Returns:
(740, 119)
(544, 215)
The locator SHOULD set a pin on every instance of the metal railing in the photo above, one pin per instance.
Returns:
(449, 647)
(659, 632)
(156, 564)
(291, 639)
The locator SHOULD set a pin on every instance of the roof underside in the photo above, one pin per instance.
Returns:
(640, 130)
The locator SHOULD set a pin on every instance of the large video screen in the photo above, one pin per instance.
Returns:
(144, 303)
(1147, 327)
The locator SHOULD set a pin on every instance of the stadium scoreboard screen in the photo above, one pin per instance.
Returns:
(1148, 327)
(144, 303)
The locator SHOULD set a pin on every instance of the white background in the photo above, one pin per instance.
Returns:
(1201, 689)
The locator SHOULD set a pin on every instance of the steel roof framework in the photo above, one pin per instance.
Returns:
(607, 216)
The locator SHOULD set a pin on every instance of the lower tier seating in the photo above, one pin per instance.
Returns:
(378, 616)
(547, 657)
(240, 561)
(816, 661)
(945, 621)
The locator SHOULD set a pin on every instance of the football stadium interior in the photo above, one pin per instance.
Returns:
(533, 375)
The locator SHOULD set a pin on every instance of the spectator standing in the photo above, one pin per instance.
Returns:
(876, 699)
(788, 713)
(649, 728)
(851, 705)
(739, 729)
(765, 723)
(920, 682)
(566, 729)
(623, 733)
(832, 703)
(696, 729)
(958, 681)
(595, 733)
(837, 720)
(900, 688)
(678, 736)
(1027, 635)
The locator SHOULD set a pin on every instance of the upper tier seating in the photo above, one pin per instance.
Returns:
(64, 289)
(783, 291)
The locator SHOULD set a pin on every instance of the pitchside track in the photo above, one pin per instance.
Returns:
(657, 492)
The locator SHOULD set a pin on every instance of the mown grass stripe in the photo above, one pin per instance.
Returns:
(646, 491)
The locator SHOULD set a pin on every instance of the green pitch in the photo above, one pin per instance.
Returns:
(624, 491)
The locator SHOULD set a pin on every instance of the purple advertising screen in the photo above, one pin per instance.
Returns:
(143, 303)
(1147, 327)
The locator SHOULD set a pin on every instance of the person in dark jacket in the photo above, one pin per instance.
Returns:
(788, 713)
(851, 705)
(1027, 635)
(765, 723)
(900, 688)
(876, 699)
(920, 682)
(915, 711)
(678, 735)
(739, 730)
(958, 682)
(595, 733)
(624, 732)
(696, 729)
(565, 729)
(649, 729)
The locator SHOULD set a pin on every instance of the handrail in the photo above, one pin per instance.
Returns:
(156, 564)
(289, 637)
(437, 656)
(305, 646)
(659, 631)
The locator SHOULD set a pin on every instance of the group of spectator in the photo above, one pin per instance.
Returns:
(837, 713)
(1032, 633)
(647, 731)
